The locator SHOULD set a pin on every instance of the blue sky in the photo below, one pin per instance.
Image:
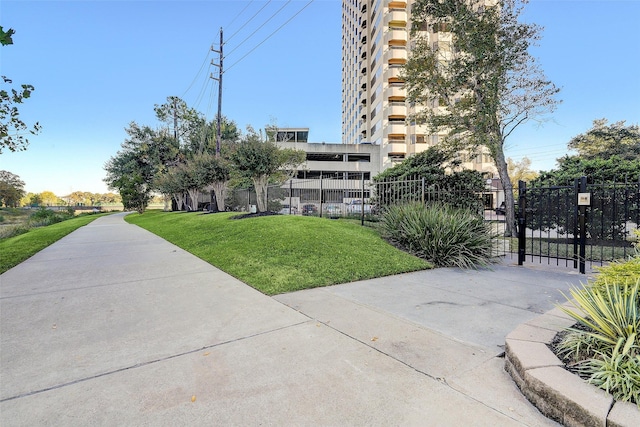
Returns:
(98, 65)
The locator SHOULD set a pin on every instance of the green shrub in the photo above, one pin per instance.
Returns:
(443, 235)
(44, 216)
(619, 272)
(618, 373)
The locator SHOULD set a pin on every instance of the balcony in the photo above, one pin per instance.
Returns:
(396, 56)
(396, 147)
(397, 5)
(396, 109)
(362, 80)
(392, 74)
(395, 93)
(396, 37)
(395, 130)
(396, 18)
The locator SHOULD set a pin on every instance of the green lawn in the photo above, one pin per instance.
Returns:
(16, 249)
(281, 253)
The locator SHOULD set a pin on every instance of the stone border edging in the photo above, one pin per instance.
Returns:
(556, 392)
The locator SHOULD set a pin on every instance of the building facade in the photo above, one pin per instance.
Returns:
(376, 44)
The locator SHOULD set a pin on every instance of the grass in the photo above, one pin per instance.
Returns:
(9, 216)
(16, 249)
(281, 253)
(544, 247)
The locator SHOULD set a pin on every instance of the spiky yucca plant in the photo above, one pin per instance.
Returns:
(607, 352)
(611, 312)
(443, 235)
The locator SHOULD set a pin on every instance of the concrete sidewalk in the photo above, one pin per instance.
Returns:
(115, 326)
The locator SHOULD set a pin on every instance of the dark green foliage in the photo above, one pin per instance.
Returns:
(429, 175)
(440, 234)
(609, 156)
(603, 141)
(597, 170)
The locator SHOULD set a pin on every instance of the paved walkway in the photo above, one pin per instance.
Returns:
(115, 326)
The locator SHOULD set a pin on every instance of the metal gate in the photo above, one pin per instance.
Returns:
(577, 224)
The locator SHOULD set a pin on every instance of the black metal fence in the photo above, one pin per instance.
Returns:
(577, 225)
(365, 200)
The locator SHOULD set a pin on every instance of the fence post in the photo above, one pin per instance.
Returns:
(522, 221)
(362, 213)
(321, 195)
(582, 212)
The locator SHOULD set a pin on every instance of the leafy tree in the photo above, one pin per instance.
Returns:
(168, 183)
(48, 198)
(11, 189)
(444, 179)
(35, 200)
(204, 139)
(11, 126)
(215, 173)
(175, 113)
(603, 140)
(145, 153)
(78, 198)
(110, 198)
(263, 160)
(521, 171)
(484, 78)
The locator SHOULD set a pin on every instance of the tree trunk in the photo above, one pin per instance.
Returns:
(179, 197)
(507, 186)
(194, 195)
(220, 188)
(260, 183)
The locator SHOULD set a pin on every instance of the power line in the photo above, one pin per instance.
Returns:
(239, 13)
(258, 29)
(250, 19)
(270, 35)
(197, 74)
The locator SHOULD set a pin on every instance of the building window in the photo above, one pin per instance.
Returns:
(359, 158)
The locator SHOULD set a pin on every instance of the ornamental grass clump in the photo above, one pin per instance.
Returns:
(604, 346)
(440, 234)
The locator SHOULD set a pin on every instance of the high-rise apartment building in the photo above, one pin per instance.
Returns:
(375, 45)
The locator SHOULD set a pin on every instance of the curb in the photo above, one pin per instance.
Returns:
(557, 393)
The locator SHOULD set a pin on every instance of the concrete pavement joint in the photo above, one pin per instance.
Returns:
(440, 380)
(99, 286)
(147, 363)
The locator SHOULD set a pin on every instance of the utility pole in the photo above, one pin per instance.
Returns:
(219, 79)
(175, 118)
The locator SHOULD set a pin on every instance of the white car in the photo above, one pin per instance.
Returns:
(355, 207)
(286, 210)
